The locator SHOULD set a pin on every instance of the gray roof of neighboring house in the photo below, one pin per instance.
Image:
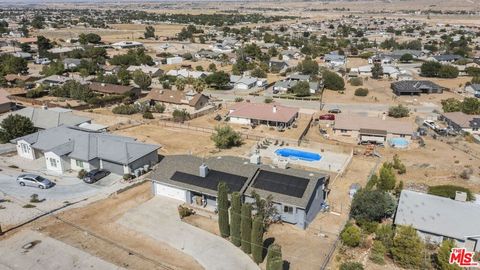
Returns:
(169, 165)
(461, 119)
(70, 61)
(299, 77)
(400, 53)
(438, 215)
(83, 144)
(475, 87)
(447, 57)
(334, 57)
(414, 85)
(49, 118)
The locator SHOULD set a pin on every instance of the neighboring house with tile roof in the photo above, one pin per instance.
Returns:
(189, 100)
(113, 89)
(73, 148)
(5, 103)
(262, 114)
(45, 118)
(437, 218)
(297, 195)
(462, 122)
(372, 129)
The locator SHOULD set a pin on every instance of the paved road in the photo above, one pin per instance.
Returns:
(158, 218)
(67, 189)
(315, 105)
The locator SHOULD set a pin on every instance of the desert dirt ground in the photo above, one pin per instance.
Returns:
(94, 229)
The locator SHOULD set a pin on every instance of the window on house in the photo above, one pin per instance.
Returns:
(288, 209)
(343, 130)
(402, 135)
(25, 148)
(79, 163)
(53, 162)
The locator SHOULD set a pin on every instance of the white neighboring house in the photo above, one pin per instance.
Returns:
(185, 73)
(174, 60)
(127, 45)
(437, 218)
(149, 70)
(74, 148)
(243, 82)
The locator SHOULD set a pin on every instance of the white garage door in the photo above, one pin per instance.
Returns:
(170, 192)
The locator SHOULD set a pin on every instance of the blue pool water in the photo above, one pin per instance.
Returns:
(399, 142)
(298, 154)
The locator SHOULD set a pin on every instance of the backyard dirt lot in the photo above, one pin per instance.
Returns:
(97, 233)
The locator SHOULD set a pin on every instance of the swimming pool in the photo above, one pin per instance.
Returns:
(399, 142)
(298, 154)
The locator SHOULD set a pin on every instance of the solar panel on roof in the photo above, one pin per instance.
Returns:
(281, 183)
(234, 182)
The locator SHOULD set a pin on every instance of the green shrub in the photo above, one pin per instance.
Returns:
(268, 100)
(449, 191)
(35, 93)
(356, 81)
(351, 235)
(81, 174)
(351, 266)
(377, 255)
(29, 206)
(185, 211)
(361, 92)
(125, 109)
(225, 137)
(368, 226)
(147, 115)
(127, 176)
(158, 108)
(398, 111)
(238, 99)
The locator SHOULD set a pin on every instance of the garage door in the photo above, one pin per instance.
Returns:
(112, 167)
(170, 192)
(379, 139)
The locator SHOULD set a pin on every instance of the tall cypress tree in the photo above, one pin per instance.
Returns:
(246, 228)
(274, 257)
(223, 209)
(235, 218)
(257, 239)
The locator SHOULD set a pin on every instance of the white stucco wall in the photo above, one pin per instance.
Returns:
(85, 165)
(239, 120)
(49, 156)
(25, 150)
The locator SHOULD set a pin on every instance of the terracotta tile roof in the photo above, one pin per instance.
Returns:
(110, 88)
(261, 111)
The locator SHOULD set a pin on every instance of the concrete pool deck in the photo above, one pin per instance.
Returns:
(330, 161)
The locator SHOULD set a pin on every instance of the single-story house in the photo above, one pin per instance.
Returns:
(71, 63)
(45, 118)
(53, 80)
(473, 89)
(174, 60)
(286, 85)
(113, 89)
(13, 79)
(127, 45)
(415, 87)
(437, 218)
(24, 55)
(445, 58)
(64, 50)
(277, 65)
(111, 70)
(296, 194)
(184, 73)
(189, 100)
(372, 129)
(397, 54)
(5, 103)
(261, 113)
(151, 71)
(73, 148)
(335, 60)
(243, 82)
(462, 122)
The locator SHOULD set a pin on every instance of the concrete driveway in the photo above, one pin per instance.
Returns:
(46, 253)
(158, 218)
(66, 188)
